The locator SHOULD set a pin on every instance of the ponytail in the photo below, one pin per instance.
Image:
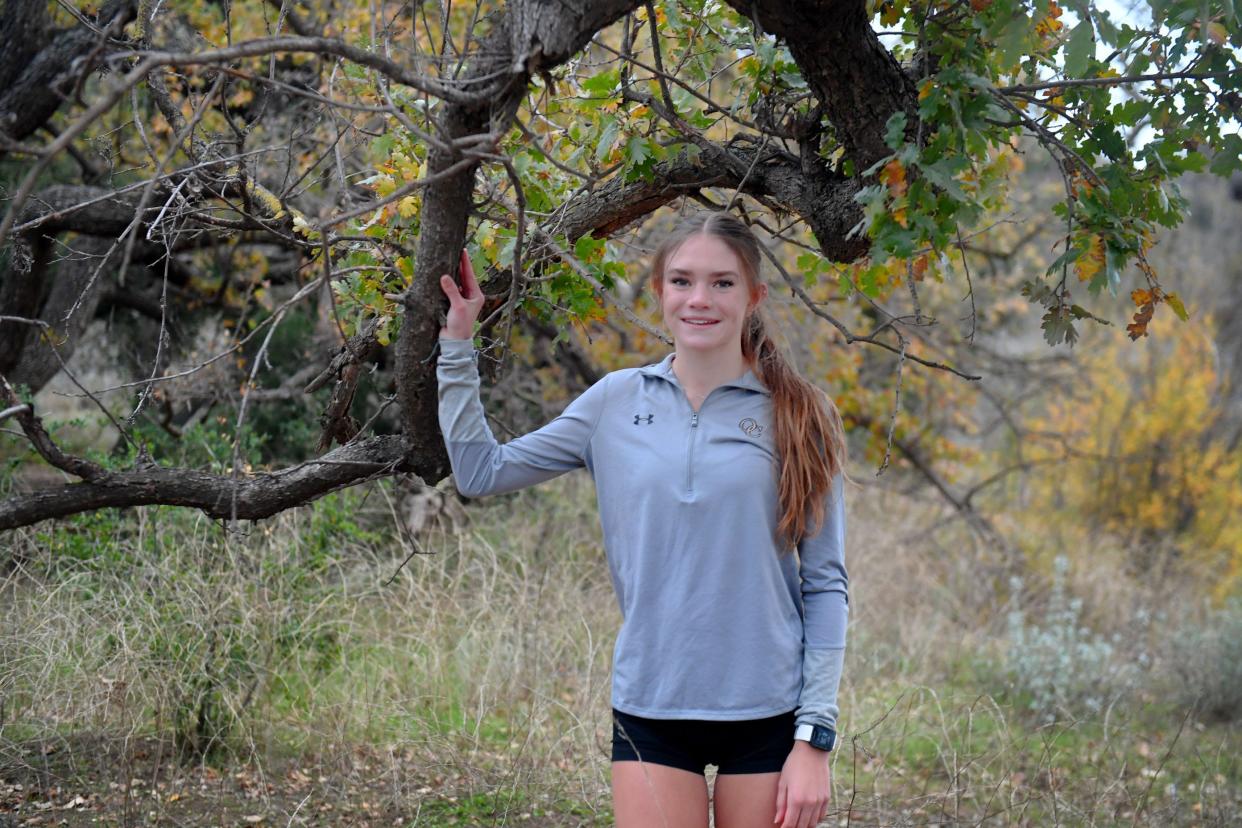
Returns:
(810, 439)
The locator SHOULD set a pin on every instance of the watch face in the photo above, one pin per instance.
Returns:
(822, 738)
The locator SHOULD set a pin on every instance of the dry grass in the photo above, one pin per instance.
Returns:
(473, 688)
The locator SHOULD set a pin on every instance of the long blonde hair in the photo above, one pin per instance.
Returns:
(810, 439)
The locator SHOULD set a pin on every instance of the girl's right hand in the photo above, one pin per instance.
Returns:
(465, 302)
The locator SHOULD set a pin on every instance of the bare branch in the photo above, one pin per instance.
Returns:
(1119, 80)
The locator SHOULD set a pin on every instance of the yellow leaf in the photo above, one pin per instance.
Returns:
(1141, 297)
(1090, 262)
(1175, 303)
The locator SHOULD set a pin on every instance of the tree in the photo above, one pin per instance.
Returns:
(236, 164)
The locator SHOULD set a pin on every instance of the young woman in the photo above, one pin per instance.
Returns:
(719, 475)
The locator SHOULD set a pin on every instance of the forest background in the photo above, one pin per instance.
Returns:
(236, 585)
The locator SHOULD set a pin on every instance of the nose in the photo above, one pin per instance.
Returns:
(699, 295)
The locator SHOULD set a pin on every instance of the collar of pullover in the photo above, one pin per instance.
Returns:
(664, 370)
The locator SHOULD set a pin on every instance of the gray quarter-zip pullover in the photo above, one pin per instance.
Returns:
(718, 624)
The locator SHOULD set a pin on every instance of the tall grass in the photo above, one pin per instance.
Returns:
(484, 661)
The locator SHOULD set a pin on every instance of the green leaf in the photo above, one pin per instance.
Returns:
(1107, 30)
(587, 247)
(1011, 40)
(602, 85)
(1110, 141)
(895, 130)
(1059, 327)
(637, 150)
(1079, 49)
(941, 174)
(607, 139)
(1228, 157)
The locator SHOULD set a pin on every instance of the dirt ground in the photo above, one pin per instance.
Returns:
(105, 783)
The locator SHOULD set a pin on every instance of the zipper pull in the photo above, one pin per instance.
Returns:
(694, 419)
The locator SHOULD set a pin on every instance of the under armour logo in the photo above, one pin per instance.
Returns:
(750, 427)
(643, 418)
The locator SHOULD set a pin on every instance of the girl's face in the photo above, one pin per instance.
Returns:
(706, 297)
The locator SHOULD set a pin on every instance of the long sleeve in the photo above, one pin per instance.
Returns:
(481, 465)
(825, 600)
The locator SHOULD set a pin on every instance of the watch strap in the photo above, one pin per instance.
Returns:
(818, 736)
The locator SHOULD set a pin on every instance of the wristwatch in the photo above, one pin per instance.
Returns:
(820, 737)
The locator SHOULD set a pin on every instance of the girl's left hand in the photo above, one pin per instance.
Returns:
(805, 787)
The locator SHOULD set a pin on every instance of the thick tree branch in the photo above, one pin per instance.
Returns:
(528, 37)
(858, 82)
(34, 94)
(249, 497)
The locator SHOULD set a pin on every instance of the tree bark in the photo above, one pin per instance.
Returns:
(248, 497)
(531, 36)
(37, 85)
(858, 82)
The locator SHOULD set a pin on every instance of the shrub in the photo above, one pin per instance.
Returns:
(1058, 662)
(1206, 664)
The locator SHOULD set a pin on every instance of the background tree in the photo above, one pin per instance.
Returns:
(234, 179)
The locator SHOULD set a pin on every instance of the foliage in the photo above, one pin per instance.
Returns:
(1140, 447)
(1118, 191)
(282, 186)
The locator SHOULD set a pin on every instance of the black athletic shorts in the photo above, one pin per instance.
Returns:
(750, 746)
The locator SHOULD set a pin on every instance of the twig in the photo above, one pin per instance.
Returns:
(1158, 76)
(961, 248)
(892, 421)
(14, 410)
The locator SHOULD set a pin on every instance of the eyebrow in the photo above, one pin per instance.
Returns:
(713, 273)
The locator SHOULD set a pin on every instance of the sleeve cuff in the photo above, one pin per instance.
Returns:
(456, 351)
(821, 676)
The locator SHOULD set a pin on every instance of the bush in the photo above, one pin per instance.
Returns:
(1206, 664)
(1061, 664)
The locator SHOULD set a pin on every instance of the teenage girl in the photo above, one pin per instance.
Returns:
(719, 476)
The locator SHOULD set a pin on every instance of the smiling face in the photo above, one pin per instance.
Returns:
(706, 295)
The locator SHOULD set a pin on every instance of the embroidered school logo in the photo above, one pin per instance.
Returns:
(750, 428)
(643, 418)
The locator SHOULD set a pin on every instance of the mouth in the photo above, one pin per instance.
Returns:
(698, 322)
